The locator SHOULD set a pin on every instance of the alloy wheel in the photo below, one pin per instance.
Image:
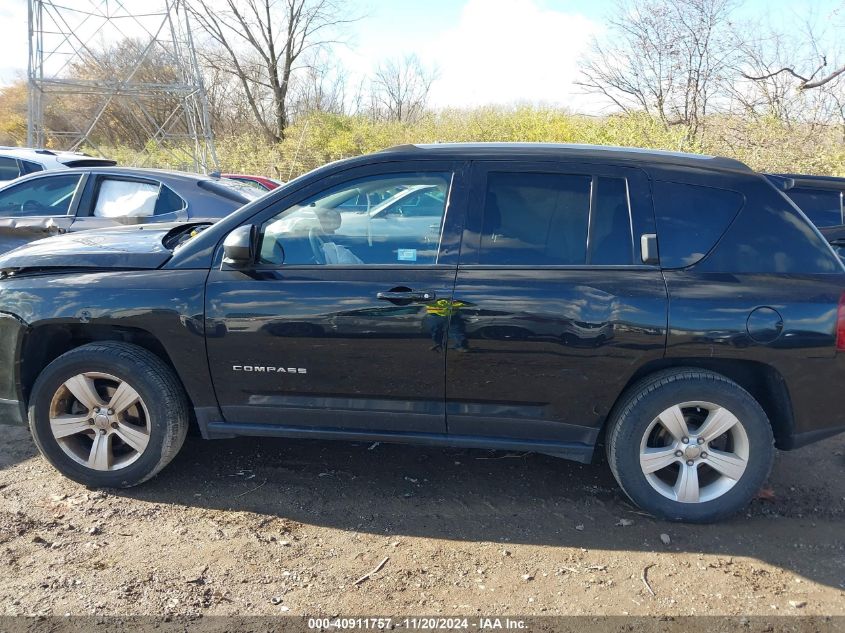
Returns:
(100, 421)
(694, 452)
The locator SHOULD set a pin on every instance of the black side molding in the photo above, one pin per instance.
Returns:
(567, 450)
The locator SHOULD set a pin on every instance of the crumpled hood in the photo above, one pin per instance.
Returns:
(121, 247)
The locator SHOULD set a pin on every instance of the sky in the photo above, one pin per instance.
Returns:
(485, 51)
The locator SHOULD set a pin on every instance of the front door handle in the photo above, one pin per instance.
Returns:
(407, 295)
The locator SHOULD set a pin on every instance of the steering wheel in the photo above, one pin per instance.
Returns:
(316, 243)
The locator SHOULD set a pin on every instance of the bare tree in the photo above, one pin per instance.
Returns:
(666, 57)
(811, 65)
(787, 73)
(320, 87)
(758, 56)
(400, 89)
(261, 43)
(809, 79)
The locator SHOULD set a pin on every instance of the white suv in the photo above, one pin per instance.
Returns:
(19, 161)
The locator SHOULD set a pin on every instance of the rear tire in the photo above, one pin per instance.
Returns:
(108, 414)
(690, 445)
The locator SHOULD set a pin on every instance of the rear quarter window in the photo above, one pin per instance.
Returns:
(771, 236)
(28, 167)
(690, 220)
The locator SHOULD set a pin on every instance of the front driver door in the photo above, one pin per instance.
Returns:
(339, 323)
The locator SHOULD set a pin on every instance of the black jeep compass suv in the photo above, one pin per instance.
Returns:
(676, 310)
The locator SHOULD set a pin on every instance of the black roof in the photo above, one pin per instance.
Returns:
(565, 150)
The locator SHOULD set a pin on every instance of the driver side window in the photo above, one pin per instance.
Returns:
(49, 195)
(384, 219)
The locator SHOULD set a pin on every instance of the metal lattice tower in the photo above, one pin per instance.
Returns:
(169, 116)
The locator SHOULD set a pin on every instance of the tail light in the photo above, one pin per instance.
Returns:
(840, 324)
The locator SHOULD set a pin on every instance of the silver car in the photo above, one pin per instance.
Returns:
(20, 161)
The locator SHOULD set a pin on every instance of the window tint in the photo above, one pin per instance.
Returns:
(611, 241)
(535, 219)
(545, 219)
(362, 222)
(168, 201)
(50, 195)
(8, 169)
(690, 220)
(28, 167)
(770, 236)
(824, 208)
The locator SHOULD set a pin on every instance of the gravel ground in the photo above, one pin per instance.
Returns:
(257, 526)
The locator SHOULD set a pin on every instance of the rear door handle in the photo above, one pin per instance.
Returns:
(410, 295)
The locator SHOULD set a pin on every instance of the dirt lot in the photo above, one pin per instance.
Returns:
(270, 526)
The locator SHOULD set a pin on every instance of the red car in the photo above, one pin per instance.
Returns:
(260, 182)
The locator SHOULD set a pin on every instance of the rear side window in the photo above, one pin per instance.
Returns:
(611, 241)
(9, 169)
(168, 201)
(28, 167)
(118, 198)
(124, 198)
(823, 207)
(690, 220)
(770, 236)
(536, 219)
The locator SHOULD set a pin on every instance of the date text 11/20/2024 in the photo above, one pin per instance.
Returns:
(420, 623)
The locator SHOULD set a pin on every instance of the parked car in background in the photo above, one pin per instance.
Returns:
(83, 198)
(259, 182)
(20, 161)
(822, 199)
(672, 311)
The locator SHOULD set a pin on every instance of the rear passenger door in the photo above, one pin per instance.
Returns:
(110, 200)
(553, 308)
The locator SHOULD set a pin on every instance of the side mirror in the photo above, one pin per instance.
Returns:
(239, 246)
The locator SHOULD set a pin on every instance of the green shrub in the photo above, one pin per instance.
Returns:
(764, 144)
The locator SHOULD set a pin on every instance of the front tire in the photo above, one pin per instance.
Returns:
(690, 445)
(108, 414)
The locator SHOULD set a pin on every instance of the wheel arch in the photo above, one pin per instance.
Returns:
(42, 344)
(762, 381)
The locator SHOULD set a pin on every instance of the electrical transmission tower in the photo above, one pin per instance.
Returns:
(101, 75)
